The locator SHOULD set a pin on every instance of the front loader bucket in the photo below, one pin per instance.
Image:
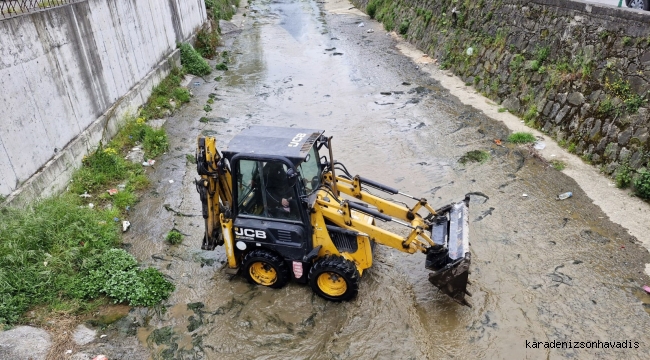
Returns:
(450, 257)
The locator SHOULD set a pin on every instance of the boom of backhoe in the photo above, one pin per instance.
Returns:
(283, 212)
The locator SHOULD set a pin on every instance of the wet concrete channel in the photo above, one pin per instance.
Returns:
(543, 269)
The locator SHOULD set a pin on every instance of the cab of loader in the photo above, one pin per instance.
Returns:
(274, 173)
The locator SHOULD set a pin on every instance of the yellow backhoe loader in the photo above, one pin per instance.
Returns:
(284, 212)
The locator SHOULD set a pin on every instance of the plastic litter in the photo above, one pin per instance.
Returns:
(125, 225)
(102, 336)
(197, 83)
(85, 195)
(116, 219)
(539, 145)
(111, 191)
(362, 24)
(524, 195)
(121, 186)
(646, 288)
(470, 51)
(100, 357)
(68, 352)
(370, 31)
(91, 205)
(565, 195)
(149, 162)
(171, 181)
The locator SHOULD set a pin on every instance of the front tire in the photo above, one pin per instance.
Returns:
(638, 4)
(265, 268)
(334, 278)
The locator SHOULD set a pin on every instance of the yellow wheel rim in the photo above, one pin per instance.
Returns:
(263, 273)
(332, 284)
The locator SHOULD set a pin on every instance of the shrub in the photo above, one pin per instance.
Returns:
(521, 138)
(192, 61)
(623, 176)
(371, 9)
(404, 27)
(206, 42)
(642, 184)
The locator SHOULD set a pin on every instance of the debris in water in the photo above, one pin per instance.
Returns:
(362, 24)
(406, 83)
(196, 83)
(330, 49)
(524, 195)
(370, 31)
(111, 191)
(646, 288)
(125, 225)
(171, 181)
(386, 93)
(337, 53)
(539, 145)
(565, 195)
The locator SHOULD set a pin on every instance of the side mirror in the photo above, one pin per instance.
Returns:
(292, 177)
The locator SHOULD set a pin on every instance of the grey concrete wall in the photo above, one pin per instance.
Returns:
(594, 50)
(67, 75)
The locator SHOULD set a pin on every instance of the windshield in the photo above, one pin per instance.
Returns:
(310, 171)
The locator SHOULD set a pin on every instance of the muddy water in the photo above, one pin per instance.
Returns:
(543, 269)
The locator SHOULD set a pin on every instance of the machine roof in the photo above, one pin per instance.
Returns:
(292, 143)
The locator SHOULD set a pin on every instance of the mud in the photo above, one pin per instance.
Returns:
(543, 269)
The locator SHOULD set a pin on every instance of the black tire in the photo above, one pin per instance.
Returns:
(262, 267)
(638, 4)
(337, 271)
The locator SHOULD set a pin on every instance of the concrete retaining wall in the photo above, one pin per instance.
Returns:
(590, 91)
(69, 74)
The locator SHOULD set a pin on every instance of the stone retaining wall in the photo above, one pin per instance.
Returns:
(579, 72)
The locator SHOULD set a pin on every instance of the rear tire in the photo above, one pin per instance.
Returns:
(334, 278)
(262, 267)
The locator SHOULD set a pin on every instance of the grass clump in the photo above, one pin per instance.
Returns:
(479, 156)
(642, 184)
(192, 61)
(371, 8)
(501, 110)
(206, 42)
(521, 138)
(558, 165)
(404, 27)
(221, 66)
(174, 237)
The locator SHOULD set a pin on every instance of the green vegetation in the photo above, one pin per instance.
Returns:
(642, 184)
(479, 156)
(220, 9)
(206, 42)
(207, 108)
(558, 165)
(62, 254)
(166, 96)
(221, 66)
(174, 237)
(190, 158)
(59, 253)
(192, 61)
(404, 27)
(371, 8)
(572, 148)
(521, 138)
(516, 62)
(627, 41)
(623, 176)
(502, 110)
(531, 114)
